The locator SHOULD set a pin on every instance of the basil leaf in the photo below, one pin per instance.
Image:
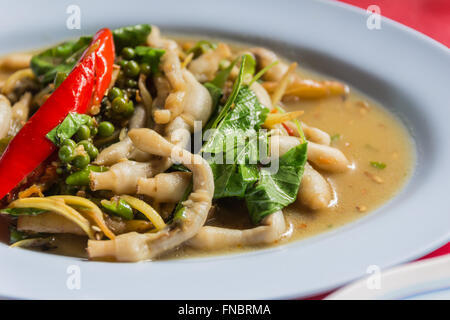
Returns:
(215, 92)
(274, 191)
(232, 180)
(222, 76)
(67, 128)
(230, 101)
(15, 212)
(236, 138)
(238, 134)
(131, 36)
(233, 145)
(246, 117)
(61, 58)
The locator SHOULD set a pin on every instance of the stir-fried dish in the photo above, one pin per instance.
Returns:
(133, 146)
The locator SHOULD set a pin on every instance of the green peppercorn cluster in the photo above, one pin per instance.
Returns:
(77, 153)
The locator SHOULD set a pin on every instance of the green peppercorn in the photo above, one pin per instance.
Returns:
(119, 105)
(83, 133)
(129, 109)
(94, 131)
(145, 68)
(122, 63)
(65, 153)
(70, 143)
(128, 53)
(81, 161)
(91, 150)
(114, 93)
(130, 83)
(91, 123)
(132, 69)
(105, 129)
(81, 178)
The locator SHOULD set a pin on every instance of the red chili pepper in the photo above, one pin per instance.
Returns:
(86, 83)
(103, 46)
(288, 129)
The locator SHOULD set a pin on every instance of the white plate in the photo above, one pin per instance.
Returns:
(424, 280)
(402, 69)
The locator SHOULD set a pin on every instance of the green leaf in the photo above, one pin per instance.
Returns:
(131, 36)
(222, 76)
(232, 180)
(215, 92)
(378, 165)
(274, 191)
(234, 146)
(236, 88)
(67, 128)
(236, 138)
(149, 55)
(118, 207)
(246, 117)
(15, 212)
(61, 58)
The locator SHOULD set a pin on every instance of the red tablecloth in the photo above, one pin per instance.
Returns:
(431, 17)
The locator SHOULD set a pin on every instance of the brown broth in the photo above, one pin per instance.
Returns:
(365, 132)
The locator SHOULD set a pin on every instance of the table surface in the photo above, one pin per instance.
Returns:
(430, 17)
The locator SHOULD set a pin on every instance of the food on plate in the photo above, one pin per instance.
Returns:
(128, 145)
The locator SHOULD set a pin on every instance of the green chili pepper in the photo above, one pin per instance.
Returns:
(118, 207)
(81, 178)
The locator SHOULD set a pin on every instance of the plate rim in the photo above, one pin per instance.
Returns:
(407, 257)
